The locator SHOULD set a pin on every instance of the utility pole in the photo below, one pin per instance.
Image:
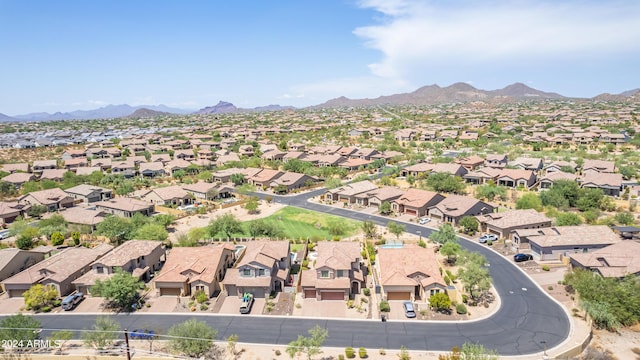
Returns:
(126, 340)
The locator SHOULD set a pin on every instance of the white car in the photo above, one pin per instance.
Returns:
(488, 237)
(424, 220)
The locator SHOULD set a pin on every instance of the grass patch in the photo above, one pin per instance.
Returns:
(298, 223)
(296, 247)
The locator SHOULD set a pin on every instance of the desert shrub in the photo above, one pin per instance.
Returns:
(340, 357)
(350, 353)
(366, 291)
(384, 306)
(545, 268)
(362, 353)
(201, 296)
(461, 309)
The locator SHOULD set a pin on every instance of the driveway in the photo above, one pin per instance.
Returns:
(11, 305)
(231, 305)
(89, 305)
(324, 309)
(397, 311)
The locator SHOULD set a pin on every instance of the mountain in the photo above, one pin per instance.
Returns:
(272, 107)
(221, 107)
(458, 92)
(629, 95)
(4, 117)
(147, 113)
(106, 112)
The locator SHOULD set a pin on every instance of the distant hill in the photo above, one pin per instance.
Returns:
(106, 112)
(147, 113)
(629, 95)
(4, 117)
(458, 92)
(224, 107)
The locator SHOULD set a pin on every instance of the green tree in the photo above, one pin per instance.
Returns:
(568, 219)
(470, 224)
(395, 228)
(385, 208)
(227, 225)
(115, 228)
(476, 278)
(563, 194)
(104, 331)
(490, 192)
(57, 238)
(529, 201)
(369, 229)
(163, 219)
(75, 236)
(336, 227)
(61, 337)
(445, 233)
(252, 205)
(625, 218)
(309, 345)
(589, 199)
(192, 338)
(19, 327)
(237, 179)
(628, 172)
(26, 237)
(450, 249)
(477, 351)
(39, 296)
(261, 228)
(440, 301)
(36, 210)
(332, 183)
(445, 183)
(121, 290)
(125, 187)
(151, 232)
(7, 189)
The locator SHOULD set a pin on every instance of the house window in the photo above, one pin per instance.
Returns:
(324, 273)
(99, 269)
(260, 272)
(246, 272)
(340, 273)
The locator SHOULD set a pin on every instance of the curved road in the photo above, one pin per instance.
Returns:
(526, 319)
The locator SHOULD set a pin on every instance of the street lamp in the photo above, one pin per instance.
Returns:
(544, 343)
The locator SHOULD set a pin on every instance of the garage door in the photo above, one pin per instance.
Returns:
(400, 295)
(332, 295)
(411, 212)
(170, 291)
(309, 294)
(16, 293)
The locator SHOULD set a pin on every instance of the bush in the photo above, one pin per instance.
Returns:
(489, 242)
(201, 296)
(45, 309)
(362, 353)
(384, 306)
(204, 307)
(545, 268)
(366, 291)
(461, 309)
(340, 357)
(550, 288)
(350, 353)
(465, 298)
(447, 280)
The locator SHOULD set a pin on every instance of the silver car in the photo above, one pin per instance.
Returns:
(409, 310)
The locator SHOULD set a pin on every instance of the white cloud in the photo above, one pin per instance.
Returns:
(415, 36)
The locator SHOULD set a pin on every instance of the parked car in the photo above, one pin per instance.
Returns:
(409, 310)
(424, 220)
(488, 237)
(4, 234)
(522, 257)
(142, 334)
(70, 302)
(247, 302)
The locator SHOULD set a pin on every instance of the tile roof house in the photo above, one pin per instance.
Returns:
(482, 175)
(377, 196)
(264, 268)
(547, 181)
(53, 174)
(85, 171)
(496, 161)
(53, 199)
(610, 183)
(264, 177)
(73, 164)
(125, 207)
(191, 269)
(598, 166)
(533, 164)
(455, 207)
(82, 216)
(140, 258)
(617, 260)
(347, 193)
(18, 178)
(552, 243)
(504, 223)
(103, 163)
(18, 167)
(58, 270)
(89, 193)
(338, 273)
(152, 169)
(470, 163)
(416, 202)
(409, 273)
(39, 165)
(209, 191)
(10, 210)
(514, 178)
(14, 260)
(170, 195)
(292, 181)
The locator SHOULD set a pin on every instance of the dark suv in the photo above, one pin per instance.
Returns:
(522, 257)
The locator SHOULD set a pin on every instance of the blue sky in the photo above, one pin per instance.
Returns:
(69, 55)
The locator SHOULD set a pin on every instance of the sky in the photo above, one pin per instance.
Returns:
(80, 55)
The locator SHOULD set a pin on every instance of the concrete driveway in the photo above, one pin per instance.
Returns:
(231, 305)
(89, 305)
(397, 311)
(11, 305)
(326, 308)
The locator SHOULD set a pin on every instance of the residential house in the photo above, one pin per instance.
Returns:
(559, 165)
(86, 171)
(18, 167)
(75, 163)
(14, 260)
(347, 193)
(482, 175)
(152, 169)
(170, 195)
(58, 270)
(504, 223)
(416, 202)
(53, 174)
(177, 164)
(246, 150)
(264, 177)
(610, 184)
(419, 169)
(554, 242)
(547, 181)
(89, 193)
(614, 261)
(514, 178)
(377, 196)
(353, 164)
(161, 158)
(290, 181)
(18, 178)
(53, 199)
(10, 210)
(524, 163)
(125, 207)
(186, 154)
(140, 258)
(88, 216)
(124, 168)
(409, 273)
(471, 163)
(454, 207)
(338, 272)
(103, 163)
(598, 166)
(263, 269)
(209, 191)
(40, 165)
(274, 155)
(496, 161)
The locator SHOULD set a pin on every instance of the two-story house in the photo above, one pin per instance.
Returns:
(263, 269)
(338, 273)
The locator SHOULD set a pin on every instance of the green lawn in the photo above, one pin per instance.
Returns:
(299, 223)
